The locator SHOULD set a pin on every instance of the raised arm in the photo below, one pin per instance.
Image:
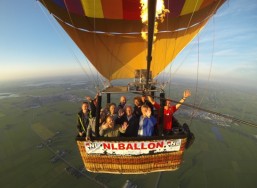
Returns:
(186, 93)
(152, 101)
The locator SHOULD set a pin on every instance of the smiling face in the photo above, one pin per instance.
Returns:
(123, 100)
(112, 109)
(84, 107)
(109, 122)
(144, 110)
(137, 101)
(168, 103)
(129, 110)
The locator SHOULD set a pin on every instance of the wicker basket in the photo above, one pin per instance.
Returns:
(132, 164)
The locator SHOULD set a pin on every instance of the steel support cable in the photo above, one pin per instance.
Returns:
(209, 75)
(124, 33)
(166, 42)
(63, 38)
(112, 33)
(184, 35)
(100, 78)
(97, 74)
(197, 79)
(213, 112)
(198, 57)
(190, 48)
(209, 70)
(176, 41)
(182, 61)
(88, 63)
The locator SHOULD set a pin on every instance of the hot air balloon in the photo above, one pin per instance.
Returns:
(111, 35)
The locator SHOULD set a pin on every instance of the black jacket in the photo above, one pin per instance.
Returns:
(82, 122)
(133, 125)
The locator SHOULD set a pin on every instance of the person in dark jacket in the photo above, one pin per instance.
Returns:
(137, 108)
(123, 101)
(132, 121)
(83, 117)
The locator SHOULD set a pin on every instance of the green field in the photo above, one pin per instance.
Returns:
(41, 123)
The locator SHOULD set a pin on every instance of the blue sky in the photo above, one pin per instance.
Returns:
(33, 45)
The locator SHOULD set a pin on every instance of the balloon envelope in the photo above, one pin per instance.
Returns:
(108, 32)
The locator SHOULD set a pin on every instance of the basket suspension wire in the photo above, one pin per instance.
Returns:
(192, 47)
(171, 76)
(185, 32)
(98, 110)
(215, 113)
(166, 42)
(117, 166)
(121, 164)
(67, 44)
(142, 164)
(162, 104)
(99, 78)
(209, 74)
(198, 65)
(197, 79)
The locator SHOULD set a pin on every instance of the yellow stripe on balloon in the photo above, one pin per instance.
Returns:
(191, 6)
(92, 8)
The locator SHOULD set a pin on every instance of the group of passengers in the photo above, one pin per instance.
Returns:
(124, 120)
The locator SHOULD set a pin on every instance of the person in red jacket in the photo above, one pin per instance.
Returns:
(169, 110)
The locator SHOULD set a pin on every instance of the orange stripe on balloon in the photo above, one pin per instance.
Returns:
(206, 3)
(112, 9)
